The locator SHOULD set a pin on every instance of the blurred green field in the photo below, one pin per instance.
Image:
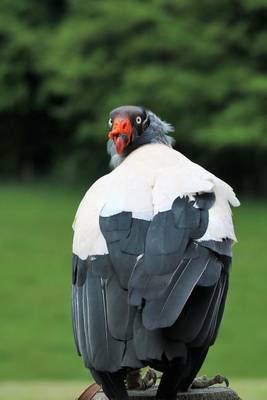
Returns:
(36, 336)
(69, 390)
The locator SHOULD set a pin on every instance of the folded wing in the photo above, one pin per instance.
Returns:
(151, 260)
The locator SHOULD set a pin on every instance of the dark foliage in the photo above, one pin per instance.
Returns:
(200, 65)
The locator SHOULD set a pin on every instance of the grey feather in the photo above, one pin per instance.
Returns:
(91, 324)
(160, 130)
(74, 318)
(190, 322)
(212, 273)
(221, 307)
(125, 237)
(169, 289)
(204, 336)
(117, 306)
(81, 332)
(163, 312)
(223, 247)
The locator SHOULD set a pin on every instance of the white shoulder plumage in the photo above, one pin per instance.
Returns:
(146, 183)
(88, 239)
(170, 174)
(185, 178)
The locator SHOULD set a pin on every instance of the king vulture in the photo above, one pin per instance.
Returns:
(152, 250)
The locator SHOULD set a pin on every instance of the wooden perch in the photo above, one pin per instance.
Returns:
(212, 393)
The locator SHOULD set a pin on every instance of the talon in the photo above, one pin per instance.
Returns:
(221, 379)
(135, 381)
(205, 382)
(150, 378)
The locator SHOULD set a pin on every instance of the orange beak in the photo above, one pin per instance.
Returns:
(121, 133)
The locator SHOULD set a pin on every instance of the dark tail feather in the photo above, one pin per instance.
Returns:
(112, 384)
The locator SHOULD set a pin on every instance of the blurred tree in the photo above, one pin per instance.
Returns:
(29, 136)
(66, 63)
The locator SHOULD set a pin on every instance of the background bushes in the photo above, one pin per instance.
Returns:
(66, 63)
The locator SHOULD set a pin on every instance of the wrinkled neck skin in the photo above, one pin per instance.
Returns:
(157, 132)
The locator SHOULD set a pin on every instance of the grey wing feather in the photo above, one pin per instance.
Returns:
(173, 263)
(155, 276)
(164, 312)
(90, 321)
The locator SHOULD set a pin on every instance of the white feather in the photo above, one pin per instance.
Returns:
(145, 183)
(88, 239)
(128, 191)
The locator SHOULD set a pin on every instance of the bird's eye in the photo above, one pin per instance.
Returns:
(138, 120)
(110, 122)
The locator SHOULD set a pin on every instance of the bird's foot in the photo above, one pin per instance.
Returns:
(205, 382)
(135, 381)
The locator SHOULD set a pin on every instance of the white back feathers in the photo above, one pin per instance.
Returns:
(146, 183)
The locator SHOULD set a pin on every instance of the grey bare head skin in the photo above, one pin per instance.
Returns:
(131, 127)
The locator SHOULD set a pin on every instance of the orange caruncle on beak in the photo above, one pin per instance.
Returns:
(121, 133)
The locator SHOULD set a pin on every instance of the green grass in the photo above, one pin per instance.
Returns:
(69, 390)
(36, 336)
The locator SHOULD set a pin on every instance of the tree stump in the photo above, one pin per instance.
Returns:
(211, 393)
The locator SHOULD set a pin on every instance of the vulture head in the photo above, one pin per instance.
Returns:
(131, 127)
